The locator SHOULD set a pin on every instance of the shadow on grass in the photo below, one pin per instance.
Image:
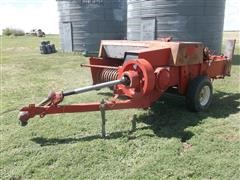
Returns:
(166, 118)
(169, 117)
(53, 141)
(236, 60)
(107, 94)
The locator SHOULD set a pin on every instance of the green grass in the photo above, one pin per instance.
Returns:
(170, 142)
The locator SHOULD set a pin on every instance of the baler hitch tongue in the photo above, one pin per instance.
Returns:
(55, 98)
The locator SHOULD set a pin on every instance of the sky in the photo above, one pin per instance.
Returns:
(29, 14)
(43, 14)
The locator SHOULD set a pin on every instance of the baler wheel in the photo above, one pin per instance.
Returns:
(199, 94)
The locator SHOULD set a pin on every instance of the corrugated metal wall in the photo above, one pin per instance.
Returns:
(184, 20)
(91, 21)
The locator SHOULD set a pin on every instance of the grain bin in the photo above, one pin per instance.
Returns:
(184, 20)
(84, 23)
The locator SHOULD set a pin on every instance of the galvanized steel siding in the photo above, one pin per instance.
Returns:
(92, 23)
(184, 20)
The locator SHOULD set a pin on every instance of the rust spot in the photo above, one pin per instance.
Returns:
(191, 50)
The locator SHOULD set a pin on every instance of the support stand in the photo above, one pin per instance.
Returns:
(134, 123)
(103, 115)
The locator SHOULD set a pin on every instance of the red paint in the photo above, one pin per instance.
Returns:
(150, 76)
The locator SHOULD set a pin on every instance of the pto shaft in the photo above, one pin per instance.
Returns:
(123, 80)
(58, 97)
(55, 98)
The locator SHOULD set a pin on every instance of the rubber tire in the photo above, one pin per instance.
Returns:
(193, 92)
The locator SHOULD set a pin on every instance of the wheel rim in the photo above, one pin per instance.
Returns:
(204, 95)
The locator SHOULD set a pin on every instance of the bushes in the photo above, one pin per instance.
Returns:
(13, 32)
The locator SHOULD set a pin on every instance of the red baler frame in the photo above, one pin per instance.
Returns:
(158, 67)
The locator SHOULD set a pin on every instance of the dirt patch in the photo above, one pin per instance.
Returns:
(232, 138)
(17, 49)
(186, 147)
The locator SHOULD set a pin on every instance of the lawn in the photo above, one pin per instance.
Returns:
(170, 142)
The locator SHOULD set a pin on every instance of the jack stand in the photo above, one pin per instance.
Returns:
(103, 115)
(134, 123)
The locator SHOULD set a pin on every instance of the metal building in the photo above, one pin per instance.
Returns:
(184, 20)
(84, 23)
